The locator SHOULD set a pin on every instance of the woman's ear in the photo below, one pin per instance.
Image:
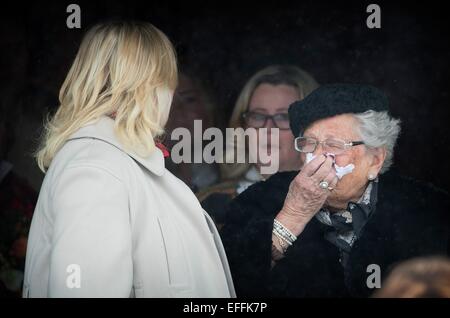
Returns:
(378, 157)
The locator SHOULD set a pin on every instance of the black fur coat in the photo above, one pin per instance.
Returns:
(411, 219)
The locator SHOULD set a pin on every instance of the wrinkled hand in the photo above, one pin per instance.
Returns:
(305, 196)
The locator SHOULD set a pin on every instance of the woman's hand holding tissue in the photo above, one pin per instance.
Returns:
(305, 196)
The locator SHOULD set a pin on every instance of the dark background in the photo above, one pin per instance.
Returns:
(225, 42)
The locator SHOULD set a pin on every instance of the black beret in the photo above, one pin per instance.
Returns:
(335, 99)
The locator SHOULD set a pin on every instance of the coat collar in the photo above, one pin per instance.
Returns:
(103, 129)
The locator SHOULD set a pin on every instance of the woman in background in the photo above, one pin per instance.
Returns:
(262, 103)
(191, 102)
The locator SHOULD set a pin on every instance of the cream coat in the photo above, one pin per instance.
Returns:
(109, 223)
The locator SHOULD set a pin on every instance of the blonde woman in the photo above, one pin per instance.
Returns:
(262, 103)
(111, 221)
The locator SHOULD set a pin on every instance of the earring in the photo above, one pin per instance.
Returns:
(371, 177)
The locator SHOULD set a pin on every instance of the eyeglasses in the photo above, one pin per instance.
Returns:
(335, 146)
(258, 120)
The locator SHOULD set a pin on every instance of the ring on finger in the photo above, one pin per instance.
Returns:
(324, 184)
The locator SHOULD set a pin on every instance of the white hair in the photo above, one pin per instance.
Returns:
(379, 129)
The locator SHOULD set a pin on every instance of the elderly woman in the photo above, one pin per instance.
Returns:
(335, 228)
(111, 221)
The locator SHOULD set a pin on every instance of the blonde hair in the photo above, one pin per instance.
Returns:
(127, 69)
(290, 75)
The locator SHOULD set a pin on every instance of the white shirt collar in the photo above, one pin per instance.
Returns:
(251, 176)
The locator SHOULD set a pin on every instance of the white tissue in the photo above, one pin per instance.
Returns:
(340, 171)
